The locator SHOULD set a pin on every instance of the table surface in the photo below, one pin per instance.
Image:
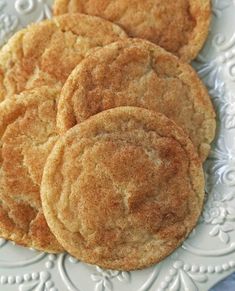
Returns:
(227, 285)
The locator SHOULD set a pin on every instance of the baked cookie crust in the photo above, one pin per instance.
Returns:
(123, 189)
(27, 135)
(45, 53)
(135, 72)
(181, 26)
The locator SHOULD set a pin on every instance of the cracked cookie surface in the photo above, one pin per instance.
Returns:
(123, 189)
(180, 27)
(27, 135)
(45, 53)
(135, 72)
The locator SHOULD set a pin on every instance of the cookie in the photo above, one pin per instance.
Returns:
(45, 53)
(122, 189)
(180, 27)
(27, 135)
(137, 73)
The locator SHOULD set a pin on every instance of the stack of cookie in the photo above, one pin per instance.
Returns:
(104, 129)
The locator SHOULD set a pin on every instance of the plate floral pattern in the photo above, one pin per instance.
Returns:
(208, 255)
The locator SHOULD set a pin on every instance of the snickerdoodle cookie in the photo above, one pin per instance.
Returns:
(27, 135)
(136, 72)
(45, 53)
(123, 189)
(180, 26)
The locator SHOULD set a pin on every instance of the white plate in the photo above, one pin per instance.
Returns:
(209, 254)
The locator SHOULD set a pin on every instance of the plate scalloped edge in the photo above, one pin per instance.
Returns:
(209, 253)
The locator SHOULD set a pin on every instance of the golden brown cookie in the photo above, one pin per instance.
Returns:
(122, 189)
(137, 73)
(180, 26)
(27, 135)
(45, 53)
